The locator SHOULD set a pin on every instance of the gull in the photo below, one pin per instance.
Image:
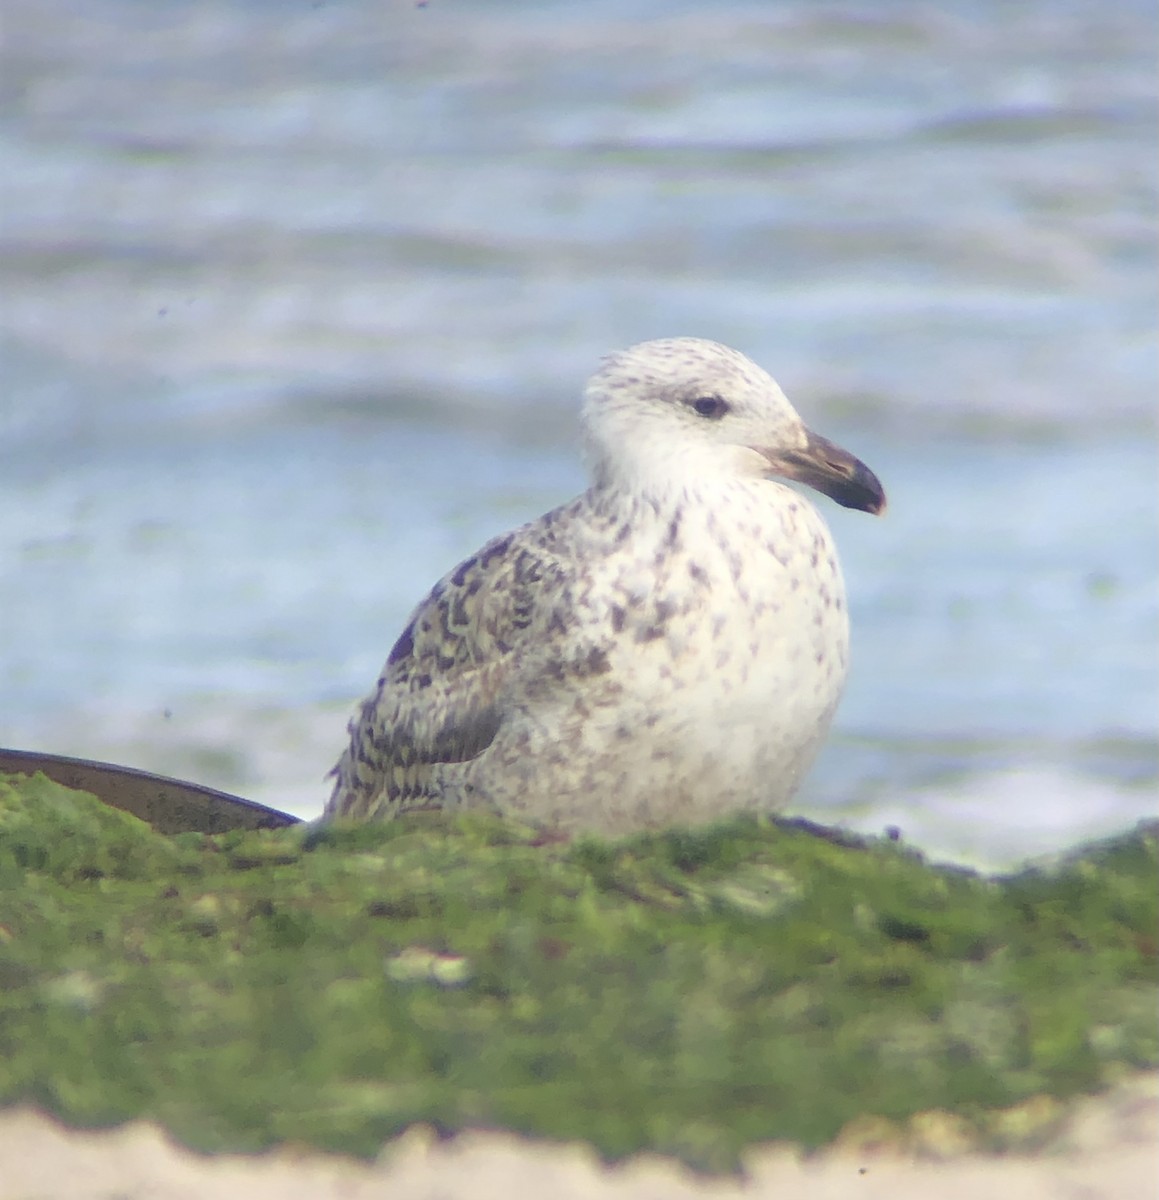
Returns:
(667, 648)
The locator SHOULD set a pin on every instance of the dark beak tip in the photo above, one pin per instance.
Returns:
(863, 492)
(873, 504)
(875, 499)
(879, 502)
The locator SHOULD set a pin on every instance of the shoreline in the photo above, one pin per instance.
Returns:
(1105, 1146)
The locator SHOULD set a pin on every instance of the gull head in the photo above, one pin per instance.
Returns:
(666, 414)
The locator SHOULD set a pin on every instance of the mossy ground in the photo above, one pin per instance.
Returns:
(690, 993)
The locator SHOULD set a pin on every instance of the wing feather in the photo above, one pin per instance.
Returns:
(439, 699)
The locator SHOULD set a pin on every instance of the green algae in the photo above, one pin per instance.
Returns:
(688, 992)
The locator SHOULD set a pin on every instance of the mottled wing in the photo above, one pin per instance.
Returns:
(438, 701)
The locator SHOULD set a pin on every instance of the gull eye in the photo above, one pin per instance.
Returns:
(712, 407)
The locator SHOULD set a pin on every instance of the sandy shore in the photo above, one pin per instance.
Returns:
(1108, 1147)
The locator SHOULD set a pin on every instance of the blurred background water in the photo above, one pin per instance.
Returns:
(297, 300)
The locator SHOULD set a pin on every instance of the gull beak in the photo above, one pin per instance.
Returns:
(832, 471)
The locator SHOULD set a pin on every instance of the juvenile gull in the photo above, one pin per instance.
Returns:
(668, 647)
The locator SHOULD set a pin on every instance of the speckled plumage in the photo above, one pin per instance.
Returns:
(669, 646)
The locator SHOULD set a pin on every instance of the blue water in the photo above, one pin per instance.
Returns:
(297, 307)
